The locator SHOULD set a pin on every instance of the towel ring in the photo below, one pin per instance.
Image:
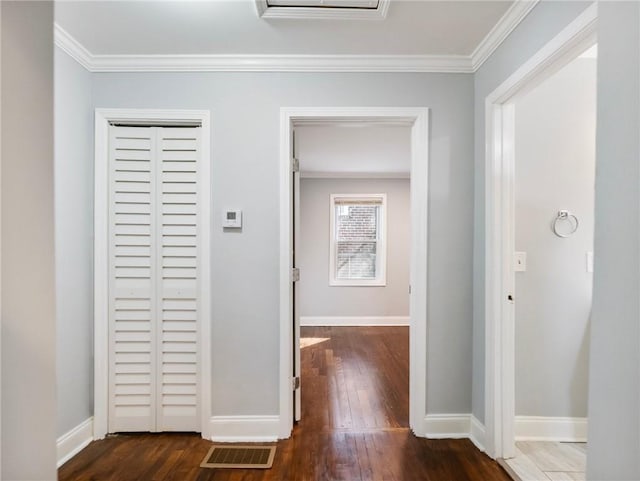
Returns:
(565, 215)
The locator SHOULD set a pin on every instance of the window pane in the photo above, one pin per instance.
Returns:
(356, 233)
(356, 222)
(356, 260)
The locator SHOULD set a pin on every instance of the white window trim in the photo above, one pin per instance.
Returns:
(381, 253)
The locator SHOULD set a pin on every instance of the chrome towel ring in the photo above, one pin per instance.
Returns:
(565, 216)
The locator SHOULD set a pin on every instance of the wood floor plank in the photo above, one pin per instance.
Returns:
(355, 418)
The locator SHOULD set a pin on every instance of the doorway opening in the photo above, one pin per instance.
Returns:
(351, 243)
(416, 120)
(515, 216)
(554, 152)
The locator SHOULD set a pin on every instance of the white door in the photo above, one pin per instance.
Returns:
(297, 369)
(153, 260)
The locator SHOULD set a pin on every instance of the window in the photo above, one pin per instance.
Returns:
(358, 240)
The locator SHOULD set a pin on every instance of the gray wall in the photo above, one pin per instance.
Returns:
(614, 377)
(245, 149)
(545, 21)
(317, 298)
(74, 241)
(555, 169)
(28, 277)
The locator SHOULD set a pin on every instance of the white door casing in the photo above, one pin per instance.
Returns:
(499, 393)
(169, 289)
(418, 120)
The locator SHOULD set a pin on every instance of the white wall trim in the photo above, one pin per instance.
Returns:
(560, 429)
(355, 175)
(235, 429)
(277, 63)
(72, 47)
(455, 426)
(74, 441)
(418, 119)
(103, 118)
(297, 63)
(477, 433)
(447, 426)
(501, 30)
(499, 226)
(311, 13)
(354, 320)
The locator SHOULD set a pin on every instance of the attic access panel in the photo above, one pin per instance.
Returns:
(323, 9)
(365, 4)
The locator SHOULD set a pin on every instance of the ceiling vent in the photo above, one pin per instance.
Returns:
(325, 9)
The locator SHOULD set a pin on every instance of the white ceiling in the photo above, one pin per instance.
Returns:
(418, 27)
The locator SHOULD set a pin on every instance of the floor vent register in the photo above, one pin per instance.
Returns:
(242, 457)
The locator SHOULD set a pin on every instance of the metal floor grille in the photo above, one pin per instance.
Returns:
(239, 457)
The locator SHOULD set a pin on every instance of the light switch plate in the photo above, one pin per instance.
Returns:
(520, 261)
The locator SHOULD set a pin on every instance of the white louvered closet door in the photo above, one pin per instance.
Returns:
(153, 286)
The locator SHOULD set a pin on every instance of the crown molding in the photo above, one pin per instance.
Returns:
(314, 13)
(73, 48)
(299, 63)
(501, 30)
(259, 63)
(280, 63)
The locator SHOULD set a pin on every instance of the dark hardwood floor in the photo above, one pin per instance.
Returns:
(354, 427)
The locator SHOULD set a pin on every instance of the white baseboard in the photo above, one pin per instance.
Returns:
(541, 428)
(455, 426)
(447, 426)
(74, 441)
(354, 320)
(477, 433)
(244, 429)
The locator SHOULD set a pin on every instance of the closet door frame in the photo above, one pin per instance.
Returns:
(169, 118)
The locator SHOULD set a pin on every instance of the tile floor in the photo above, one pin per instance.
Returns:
(547, 461)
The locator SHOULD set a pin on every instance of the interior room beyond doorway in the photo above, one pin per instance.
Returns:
(555, 126)
(353, 251)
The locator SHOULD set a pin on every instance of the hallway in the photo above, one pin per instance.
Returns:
(354, 426)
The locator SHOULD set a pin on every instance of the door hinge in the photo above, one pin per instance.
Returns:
(295, 274)
(409, 288)
(295, 165)
(295, 383)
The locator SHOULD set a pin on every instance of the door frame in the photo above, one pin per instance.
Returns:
(103, 119)
(499, 380)
(418, 119)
